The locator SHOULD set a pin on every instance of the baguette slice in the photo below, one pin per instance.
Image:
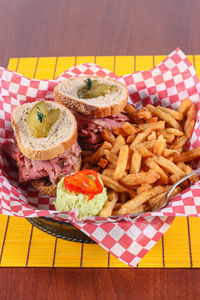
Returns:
(45, 187)
(61, 137)
(103, 106)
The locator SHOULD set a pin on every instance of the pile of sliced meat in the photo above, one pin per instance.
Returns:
(89, 129)
(56, 168)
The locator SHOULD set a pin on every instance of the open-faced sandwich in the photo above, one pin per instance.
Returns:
(45, 147)
(97, 103)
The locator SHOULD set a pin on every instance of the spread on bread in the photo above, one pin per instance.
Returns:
(94, 89)
(40, 119)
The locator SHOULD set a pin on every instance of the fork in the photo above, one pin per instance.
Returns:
(167, 201)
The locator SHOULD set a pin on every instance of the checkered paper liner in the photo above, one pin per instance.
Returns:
(129, 240)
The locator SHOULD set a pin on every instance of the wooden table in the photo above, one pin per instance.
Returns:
(105, 27)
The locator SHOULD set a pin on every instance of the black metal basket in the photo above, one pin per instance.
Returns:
(60, 229)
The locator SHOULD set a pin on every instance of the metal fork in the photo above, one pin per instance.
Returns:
(197, 171)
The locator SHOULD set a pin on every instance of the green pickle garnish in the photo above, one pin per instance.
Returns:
(40, 120)
(94, 89)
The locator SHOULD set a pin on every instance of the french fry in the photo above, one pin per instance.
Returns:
(168, 152)
(144, 152)
(148, 144)
(129, 129)
(140, 209)
(100, 152)
(121, 162)
(180, 142)
(113, 184)
(159, 145)
(154, 126)
(175, 114)
(185, 105)
(165, 116)
(169, 165)
(141, 137)
(167, 136)
(119, 131)
(157, 198)
(111, 157)
(128, 165)
(130, 191)
(132, 112)
(144, 187)
(144, 114)
(130, 206)
(158, 201)
(152, 136)
(109, 172)
(135, 162)
(119, 142)
(153, 120)
(174, 178)
(108, 136)
(136, 179)
(154, 166)
(187, 169)
(188, 155)
(102, 163)
(130, 138)
(109, 205)
(173, 131)
(190, 121)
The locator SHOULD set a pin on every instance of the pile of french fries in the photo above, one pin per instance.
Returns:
(139, 162)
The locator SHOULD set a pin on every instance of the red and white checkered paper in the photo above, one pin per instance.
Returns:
(129, 240)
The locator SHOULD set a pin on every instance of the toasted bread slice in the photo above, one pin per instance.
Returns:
(61, 137)
(103, 106)
(45, 187)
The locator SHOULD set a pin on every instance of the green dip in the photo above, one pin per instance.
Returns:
(66, 201)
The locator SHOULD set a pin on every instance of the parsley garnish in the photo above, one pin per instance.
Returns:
(40, 114)
(89, 83)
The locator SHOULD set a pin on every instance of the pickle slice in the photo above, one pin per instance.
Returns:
(40, 120)
(52, 117)
(97, 89)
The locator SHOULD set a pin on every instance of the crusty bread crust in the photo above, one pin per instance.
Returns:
(45, 154)
(46, 187)
(88, 109)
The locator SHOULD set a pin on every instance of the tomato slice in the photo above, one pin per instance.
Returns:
(84, 182)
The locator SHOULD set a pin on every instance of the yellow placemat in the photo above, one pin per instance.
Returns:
(22, 244)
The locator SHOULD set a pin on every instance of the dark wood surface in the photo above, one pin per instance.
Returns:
(98, 27)
(99, 284)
